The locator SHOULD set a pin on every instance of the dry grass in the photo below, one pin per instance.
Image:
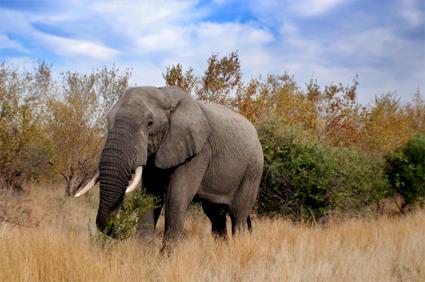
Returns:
(56, 245)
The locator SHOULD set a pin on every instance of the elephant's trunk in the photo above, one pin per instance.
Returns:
(117, 162)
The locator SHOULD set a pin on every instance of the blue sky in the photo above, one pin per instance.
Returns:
(381, 41)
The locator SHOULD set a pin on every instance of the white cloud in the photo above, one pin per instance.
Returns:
(228, 36)
(315, 7)
(7, 43)
(21, 23)
(279, 10)
(220, 2)
(17, 22)
(411, 12)
(306, 58)
(400, 60)
(296, 43)
(163, 39)
(73, 47)
(250, 41)
(135, 18)
(374, 43)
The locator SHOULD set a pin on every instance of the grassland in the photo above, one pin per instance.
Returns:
(44, 237)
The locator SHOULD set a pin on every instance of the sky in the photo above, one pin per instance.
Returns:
(332, 41)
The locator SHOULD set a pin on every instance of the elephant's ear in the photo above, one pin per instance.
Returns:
(187, 134)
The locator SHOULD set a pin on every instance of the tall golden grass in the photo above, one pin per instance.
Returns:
(56, 245)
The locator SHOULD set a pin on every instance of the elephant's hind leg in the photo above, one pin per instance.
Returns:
(244, 200)
(217, 215)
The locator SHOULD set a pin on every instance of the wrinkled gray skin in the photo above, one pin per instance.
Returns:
(187, 149)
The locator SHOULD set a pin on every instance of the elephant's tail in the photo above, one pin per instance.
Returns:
(248, 221)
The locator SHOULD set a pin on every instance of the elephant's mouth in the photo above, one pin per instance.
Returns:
(112, 194)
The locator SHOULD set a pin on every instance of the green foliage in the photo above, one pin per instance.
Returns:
(131, 212)
(406, 170)
(358, 180)
(306, 181)
(297, 174)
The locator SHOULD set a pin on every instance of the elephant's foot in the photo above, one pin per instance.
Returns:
(220, 235)
(171, 239)
(146, 233)
(166, 250)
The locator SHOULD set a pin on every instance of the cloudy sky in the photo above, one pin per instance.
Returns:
(381, 41)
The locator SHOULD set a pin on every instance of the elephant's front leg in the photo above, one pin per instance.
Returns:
(183, 186)
(146, 228)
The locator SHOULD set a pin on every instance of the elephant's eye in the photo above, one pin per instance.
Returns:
(149, 125)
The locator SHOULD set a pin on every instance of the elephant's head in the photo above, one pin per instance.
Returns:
(163, 123)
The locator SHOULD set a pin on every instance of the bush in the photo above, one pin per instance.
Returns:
(358, 180)
(297, 174)
(304, 180)
(406, 171)
(131, 212)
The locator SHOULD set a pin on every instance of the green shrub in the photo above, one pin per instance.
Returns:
(297, 174)
(304, 180)
(358, 180)
(406, 171)
(132, 210)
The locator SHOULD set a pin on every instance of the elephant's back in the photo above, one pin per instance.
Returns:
(233, 132)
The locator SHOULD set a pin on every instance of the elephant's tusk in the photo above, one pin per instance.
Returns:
(88, 186)
(136, 180)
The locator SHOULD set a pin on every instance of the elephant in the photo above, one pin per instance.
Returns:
(179, 148)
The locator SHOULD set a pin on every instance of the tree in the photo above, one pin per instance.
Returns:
(416, 112)
(221, 80)
(174, 76)
(406, 171)
(219, 84)
(77, 123)
(24, 146)
(381, 119)
(341, 114)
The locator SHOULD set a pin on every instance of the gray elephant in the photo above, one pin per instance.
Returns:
(186, 148)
